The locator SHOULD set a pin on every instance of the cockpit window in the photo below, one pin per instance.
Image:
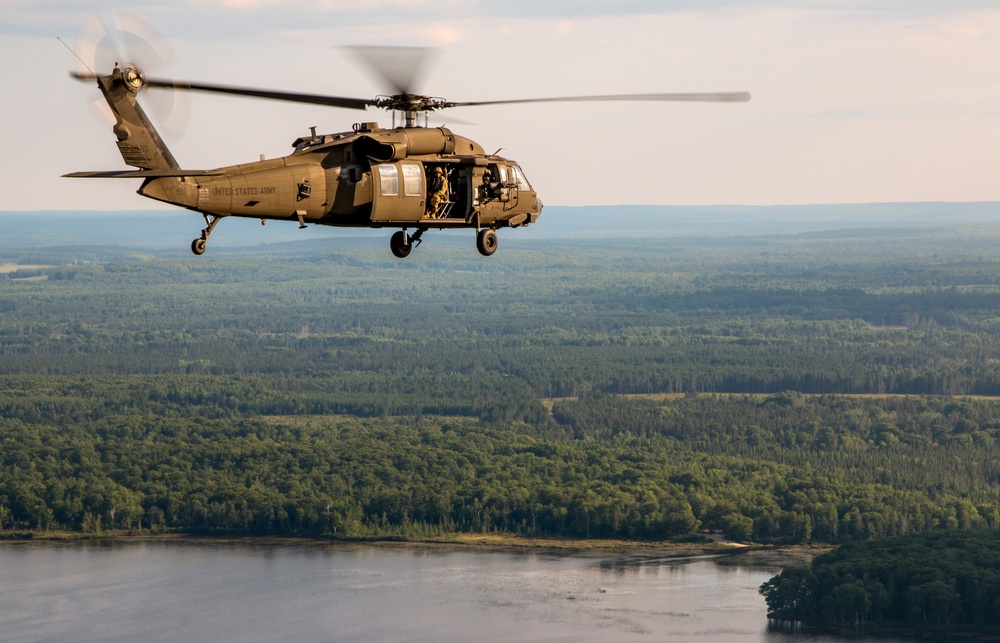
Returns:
(522, 182)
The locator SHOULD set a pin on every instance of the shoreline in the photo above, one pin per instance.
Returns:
(769, 555)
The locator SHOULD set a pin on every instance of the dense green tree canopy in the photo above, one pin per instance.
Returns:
(774, 388)
(946, 581)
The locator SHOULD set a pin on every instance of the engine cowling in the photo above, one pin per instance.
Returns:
(397, 144)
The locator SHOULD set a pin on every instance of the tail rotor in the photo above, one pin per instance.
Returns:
(129, 42)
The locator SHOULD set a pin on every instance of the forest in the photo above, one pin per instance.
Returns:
(946, 581)
(779, 388)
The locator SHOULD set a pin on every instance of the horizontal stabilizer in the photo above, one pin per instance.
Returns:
(140, 174)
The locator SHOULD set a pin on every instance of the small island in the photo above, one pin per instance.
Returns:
(946, 581)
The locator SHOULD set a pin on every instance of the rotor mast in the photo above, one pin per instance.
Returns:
(409, 117)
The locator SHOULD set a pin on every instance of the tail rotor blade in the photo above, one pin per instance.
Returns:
(125, 39)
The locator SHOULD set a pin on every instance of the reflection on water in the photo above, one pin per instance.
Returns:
(159, 591)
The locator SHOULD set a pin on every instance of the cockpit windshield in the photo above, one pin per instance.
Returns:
(522, 182)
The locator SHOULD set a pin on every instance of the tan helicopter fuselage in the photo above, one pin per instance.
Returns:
(368, 177)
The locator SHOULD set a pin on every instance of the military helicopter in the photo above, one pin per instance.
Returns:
(368, 177)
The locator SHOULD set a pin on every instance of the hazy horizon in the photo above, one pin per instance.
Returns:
(174, 228)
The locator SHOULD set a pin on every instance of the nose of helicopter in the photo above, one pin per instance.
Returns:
(533, 216)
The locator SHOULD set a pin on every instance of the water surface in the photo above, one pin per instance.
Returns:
(169, 591)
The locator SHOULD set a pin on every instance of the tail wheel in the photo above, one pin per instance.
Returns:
(486, 242)
(400, 244)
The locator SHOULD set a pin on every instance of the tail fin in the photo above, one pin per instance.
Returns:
(138, 141)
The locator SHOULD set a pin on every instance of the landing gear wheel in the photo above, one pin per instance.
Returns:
(198, 246)
(400, 244)
(486, 242)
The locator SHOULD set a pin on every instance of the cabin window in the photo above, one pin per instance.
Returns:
(522, 181)
(411, 180)
(390, 180)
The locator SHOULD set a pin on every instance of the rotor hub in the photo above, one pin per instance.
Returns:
(133, 78)
(410, 103)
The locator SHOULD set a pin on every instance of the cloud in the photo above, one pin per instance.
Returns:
(234, 19)
(447, 35)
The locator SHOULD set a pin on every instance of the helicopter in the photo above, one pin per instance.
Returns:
(370, 176)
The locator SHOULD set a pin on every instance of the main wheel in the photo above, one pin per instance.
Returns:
(198, 246)
(400, 244)
(486, 242)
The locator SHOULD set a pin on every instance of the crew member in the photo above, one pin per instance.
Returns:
(437, 192)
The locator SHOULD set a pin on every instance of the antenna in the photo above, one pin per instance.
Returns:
(76, 56)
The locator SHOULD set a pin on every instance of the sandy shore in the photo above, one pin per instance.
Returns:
(727, 552)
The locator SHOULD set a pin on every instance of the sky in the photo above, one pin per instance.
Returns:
(854, 101)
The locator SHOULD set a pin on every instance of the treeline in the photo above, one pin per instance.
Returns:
(916, 363)
(560, 325)
(150, 457)
(945, 582)
(332, 477)
(63, 399)
(837, 468)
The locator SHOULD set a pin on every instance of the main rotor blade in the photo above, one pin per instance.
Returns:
(294, 97)
(712, 97)
(399, 67)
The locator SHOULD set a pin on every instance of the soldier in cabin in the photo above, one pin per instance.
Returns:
(437, 192)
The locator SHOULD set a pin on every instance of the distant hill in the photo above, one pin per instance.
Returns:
(741, 220)
(176, 228)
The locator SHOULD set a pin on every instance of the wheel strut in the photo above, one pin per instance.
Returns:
(415, 239)
(198, 245)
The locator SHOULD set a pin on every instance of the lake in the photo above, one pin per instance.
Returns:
(242, 591)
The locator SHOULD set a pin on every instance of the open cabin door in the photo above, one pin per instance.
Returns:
(399, 193)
